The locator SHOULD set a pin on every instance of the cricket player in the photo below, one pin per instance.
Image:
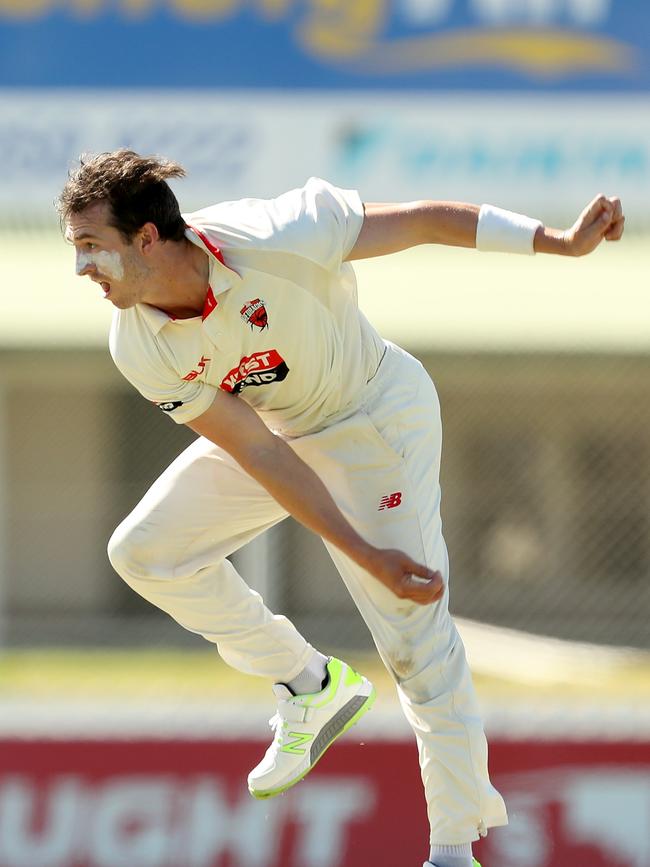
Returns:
(241, 321)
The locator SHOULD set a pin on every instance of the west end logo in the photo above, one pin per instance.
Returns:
(254, 313)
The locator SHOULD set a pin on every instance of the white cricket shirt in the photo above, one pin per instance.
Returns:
(281, 325)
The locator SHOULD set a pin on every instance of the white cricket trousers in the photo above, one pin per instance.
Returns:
(171, 549)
